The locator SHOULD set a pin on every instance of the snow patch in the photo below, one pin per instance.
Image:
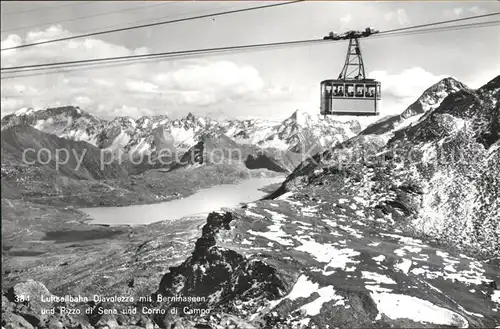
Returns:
(396, 306)
(252, 214)
(309, 211)
(406, 240)
(351, 231)
(404, 266)
(26, 111)
(496, 296)
(326, 253)
(402, 251)
(304, 288)
(275, 232)
(379, 258)
(379, 278)
(326, 294)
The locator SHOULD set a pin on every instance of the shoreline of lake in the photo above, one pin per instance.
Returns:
(198, 204)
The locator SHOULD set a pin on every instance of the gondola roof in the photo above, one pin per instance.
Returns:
(350, 81)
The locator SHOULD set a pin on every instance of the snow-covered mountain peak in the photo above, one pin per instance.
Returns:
(58, 120)
(301, 118)
(26, 111)
(68, 111)
(432, 97)
(450, 83)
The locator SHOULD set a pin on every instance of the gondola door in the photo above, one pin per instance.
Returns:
(327, 99)
(322, 99)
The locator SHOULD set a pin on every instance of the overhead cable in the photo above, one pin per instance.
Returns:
(151, 25)
(83, 66)
(218, 49)
(46, 8)
(86, 17)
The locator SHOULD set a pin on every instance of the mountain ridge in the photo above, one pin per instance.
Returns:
(138, 135)
(428, 100)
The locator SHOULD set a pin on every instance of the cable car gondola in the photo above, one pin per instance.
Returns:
(351, 93)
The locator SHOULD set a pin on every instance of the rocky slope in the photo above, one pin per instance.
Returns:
(23, 145)
(316, 259)
(222, 150)
(309, 259)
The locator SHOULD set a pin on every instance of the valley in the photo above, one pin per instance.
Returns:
(392, 225)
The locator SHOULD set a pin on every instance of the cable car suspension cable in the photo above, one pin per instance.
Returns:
(440, 23)
(46, 8)
(88, 16)
(125, 60)
(152, 24)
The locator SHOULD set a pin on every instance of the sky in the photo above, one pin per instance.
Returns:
(270, 83)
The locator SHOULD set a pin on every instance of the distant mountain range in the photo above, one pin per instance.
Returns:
(144, 135)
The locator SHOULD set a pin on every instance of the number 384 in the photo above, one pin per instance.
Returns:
(22, 299)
